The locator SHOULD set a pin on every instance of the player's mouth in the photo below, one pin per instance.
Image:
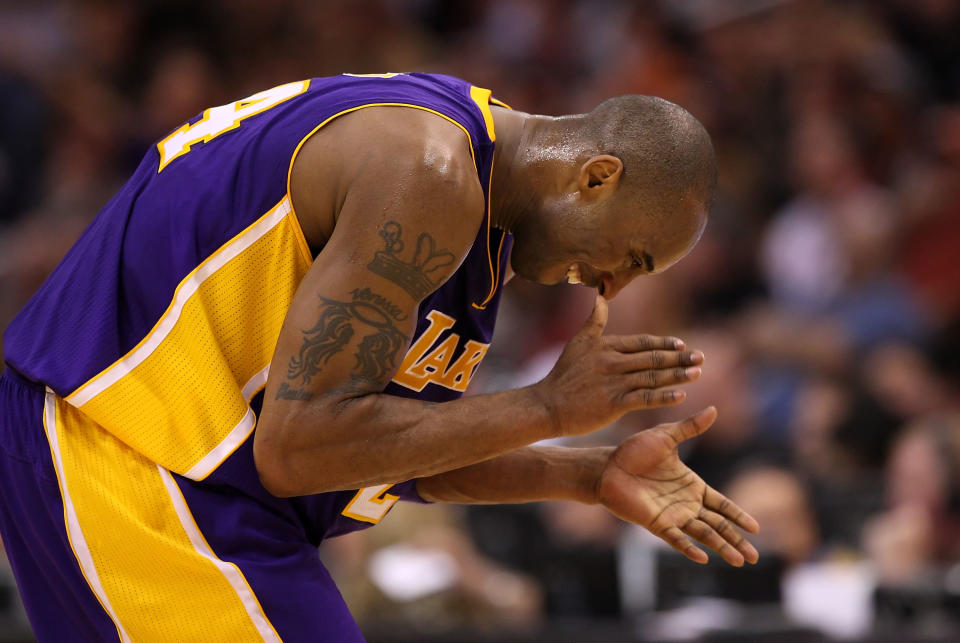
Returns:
(575, 276)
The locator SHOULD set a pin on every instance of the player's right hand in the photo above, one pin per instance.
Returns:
(598, 377)
(644, 482)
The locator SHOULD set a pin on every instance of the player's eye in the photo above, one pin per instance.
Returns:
(637, 263)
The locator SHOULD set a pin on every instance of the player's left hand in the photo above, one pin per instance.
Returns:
(645, 482)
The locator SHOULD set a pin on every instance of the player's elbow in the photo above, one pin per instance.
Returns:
(288, 466)
(292, 459)
(274, 470)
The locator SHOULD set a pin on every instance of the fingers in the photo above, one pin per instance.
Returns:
(645, 398)
(597, 320)
(725, 530)
(716, 501)
(675, 538)
(691, 427)
(663, 368)
(714, 531)
(638, 343)
(706, 534)
(656, 359)
(663, 377)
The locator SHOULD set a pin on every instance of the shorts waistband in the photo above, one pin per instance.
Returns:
(13, 374)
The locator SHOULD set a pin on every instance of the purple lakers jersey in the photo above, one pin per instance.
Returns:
(160, 323)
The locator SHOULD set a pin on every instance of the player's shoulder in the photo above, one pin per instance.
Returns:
(417, 149)
(432, 160)
(411, 163)
(418, 137)
(421, 169)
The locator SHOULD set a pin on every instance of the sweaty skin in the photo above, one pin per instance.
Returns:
(385, 176)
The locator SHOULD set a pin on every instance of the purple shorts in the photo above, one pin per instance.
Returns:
(106, 545)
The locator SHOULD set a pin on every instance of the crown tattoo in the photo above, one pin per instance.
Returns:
(416, 276)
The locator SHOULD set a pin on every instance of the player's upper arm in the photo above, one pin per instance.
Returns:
(409, 210)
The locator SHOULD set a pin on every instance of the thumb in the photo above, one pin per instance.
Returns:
(597, 320)
(692, 426)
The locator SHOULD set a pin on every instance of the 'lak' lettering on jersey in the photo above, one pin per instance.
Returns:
(429, 361)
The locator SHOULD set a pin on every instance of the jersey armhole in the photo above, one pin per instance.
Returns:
(294, 217)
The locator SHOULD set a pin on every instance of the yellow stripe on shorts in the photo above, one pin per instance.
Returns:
(138, 545)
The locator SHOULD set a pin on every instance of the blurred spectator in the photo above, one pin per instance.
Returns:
(912, 544)
(420, 572)
(903, 378)
(790, 527)
(736, 434)
(827, 590)
(23, 143)
(930, 193)
(920, 529)
(830, 252)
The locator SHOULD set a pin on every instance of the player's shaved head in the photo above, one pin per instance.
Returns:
(665, 150)
(605, 196)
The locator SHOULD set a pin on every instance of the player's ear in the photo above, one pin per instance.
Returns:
(599, 175)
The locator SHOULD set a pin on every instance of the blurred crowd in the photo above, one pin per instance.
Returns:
(825, 292)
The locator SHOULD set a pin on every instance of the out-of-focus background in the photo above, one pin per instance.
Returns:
(825, 292)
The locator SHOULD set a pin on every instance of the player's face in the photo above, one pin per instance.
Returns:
(606, 246)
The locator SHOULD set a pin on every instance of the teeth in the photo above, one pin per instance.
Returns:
(573, 274)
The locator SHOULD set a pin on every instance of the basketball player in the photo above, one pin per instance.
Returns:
(262, 339)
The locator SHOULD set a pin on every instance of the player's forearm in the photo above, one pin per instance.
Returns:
(336, 435)
(526, 475)
(376, 439)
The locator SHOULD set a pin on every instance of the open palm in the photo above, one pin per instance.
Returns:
(645, 482)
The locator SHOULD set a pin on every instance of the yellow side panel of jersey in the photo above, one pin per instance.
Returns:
(138, 545)
(181, 396)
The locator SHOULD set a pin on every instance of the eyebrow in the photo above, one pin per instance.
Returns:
(648, 261)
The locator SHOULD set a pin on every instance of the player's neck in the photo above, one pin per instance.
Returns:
(531, 161)
(511, 193)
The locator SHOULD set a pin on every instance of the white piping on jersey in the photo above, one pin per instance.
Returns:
(77, 541)
(230, 571)
(237, 435)
(185, 290)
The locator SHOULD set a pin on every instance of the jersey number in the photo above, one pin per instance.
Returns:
(218, 120)
(370, 504)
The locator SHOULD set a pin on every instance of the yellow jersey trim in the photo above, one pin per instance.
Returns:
(316, 129)
(184, 290)
(481, 97)
(215, 457)
(494, 269)
(181, 397)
